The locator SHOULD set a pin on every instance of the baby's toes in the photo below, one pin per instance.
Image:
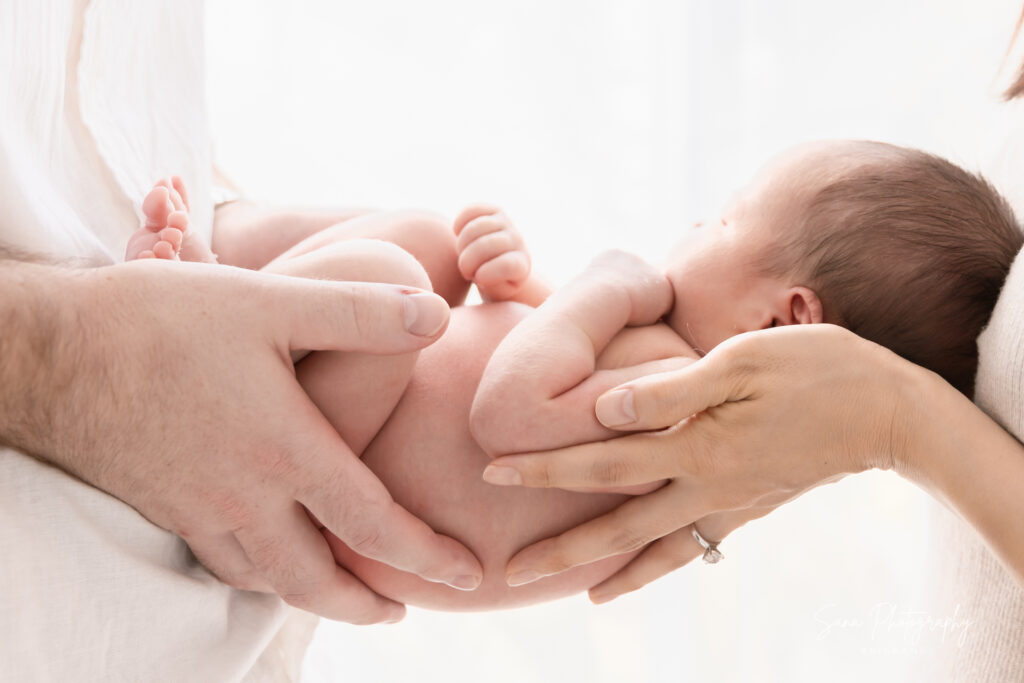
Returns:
(179, 186)
(172, 236)
(165, 250)
(179, 220)
(156, 207)
(140, 244)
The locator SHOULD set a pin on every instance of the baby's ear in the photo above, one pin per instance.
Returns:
(804, 306)
(792, 306)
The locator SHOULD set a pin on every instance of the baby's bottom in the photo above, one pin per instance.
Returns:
(421, 446)
(356, 391)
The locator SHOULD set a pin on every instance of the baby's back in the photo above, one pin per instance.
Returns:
(428, 460)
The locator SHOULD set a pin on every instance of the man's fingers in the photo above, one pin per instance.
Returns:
(668, 398)
(318, 315)
(662, 557)
(354, 505)
(625, 461)
(293, 555)
(632, 525)
(222, 555)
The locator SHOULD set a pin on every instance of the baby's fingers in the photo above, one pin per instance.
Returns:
(471, 213)
(505, 274)
(486, 248)
(478, 227)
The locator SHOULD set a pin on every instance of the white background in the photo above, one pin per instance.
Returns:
(617, 123)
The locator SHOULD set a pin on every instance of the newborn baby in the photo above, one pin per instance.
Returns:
(902, 247)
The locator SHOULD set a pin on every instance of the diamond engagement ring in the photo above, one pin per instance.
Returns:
(711, 552)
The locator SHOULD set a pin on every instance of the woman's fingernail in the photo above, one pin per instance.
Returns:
(425, 313)
(502, 476)
(600, 598)
(522, 578)
(465, 582)
(615, 408)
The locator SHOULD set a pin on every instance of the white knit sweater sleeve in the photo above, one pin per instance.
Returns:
(1000, 382)
(968, 581)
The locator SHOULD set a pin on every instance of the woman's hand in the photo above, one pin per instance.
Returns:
(762, 418)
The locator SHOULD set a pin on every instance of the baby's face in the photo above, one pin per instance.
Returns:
(720, 291)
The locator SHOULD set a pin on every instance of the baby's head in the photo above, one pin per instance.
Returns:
(900, 246)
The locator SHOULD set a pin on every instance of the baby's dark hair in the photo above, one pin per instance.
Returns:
(908, 250)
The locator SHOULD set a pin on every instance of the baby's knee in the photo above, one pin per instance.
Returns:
(369, 260)
(430, 238)
(423, 227)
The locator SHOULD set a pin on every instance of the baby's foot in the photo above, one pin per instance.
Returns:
(492, 254)
(167, 233)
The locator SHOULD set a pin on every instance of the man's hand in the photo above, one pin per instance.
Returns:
(170, 386)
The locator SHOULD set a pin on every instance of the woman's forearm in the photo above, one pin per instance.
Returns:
(965, 459)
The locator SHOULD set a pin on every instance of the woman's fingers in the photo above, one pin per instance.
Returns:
(666, 399)
(625, 461)
(662, 557)
(632, 525)
(671, 552)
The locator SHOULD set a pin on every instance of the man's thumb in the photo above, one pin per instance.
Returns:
(358, 316)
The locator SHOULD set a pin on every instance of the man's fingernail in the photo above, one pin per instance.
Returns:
(502, 476)
(522, 578)
(465, 582)
(615, 408)
(425, 313)
(395, 617)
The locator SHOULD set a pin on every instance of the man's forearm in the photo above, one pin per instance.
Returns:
(40, 349)
(33, 351)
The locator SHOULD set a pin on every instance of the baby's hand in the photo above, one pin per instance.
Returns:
(650, 292)
(492, 254)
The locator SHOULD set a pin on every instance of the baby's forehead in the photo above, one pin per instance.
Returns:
(825, 161)
(784, 185)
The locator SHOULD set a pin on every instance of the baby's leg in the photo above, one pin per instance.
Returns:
(426, 236)
(356, 392)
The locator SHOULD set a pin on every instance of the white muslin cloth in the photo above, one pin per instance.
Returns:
(98, 99)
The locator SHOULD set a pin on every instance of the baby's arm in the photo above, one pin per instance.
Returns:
(539, 388)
